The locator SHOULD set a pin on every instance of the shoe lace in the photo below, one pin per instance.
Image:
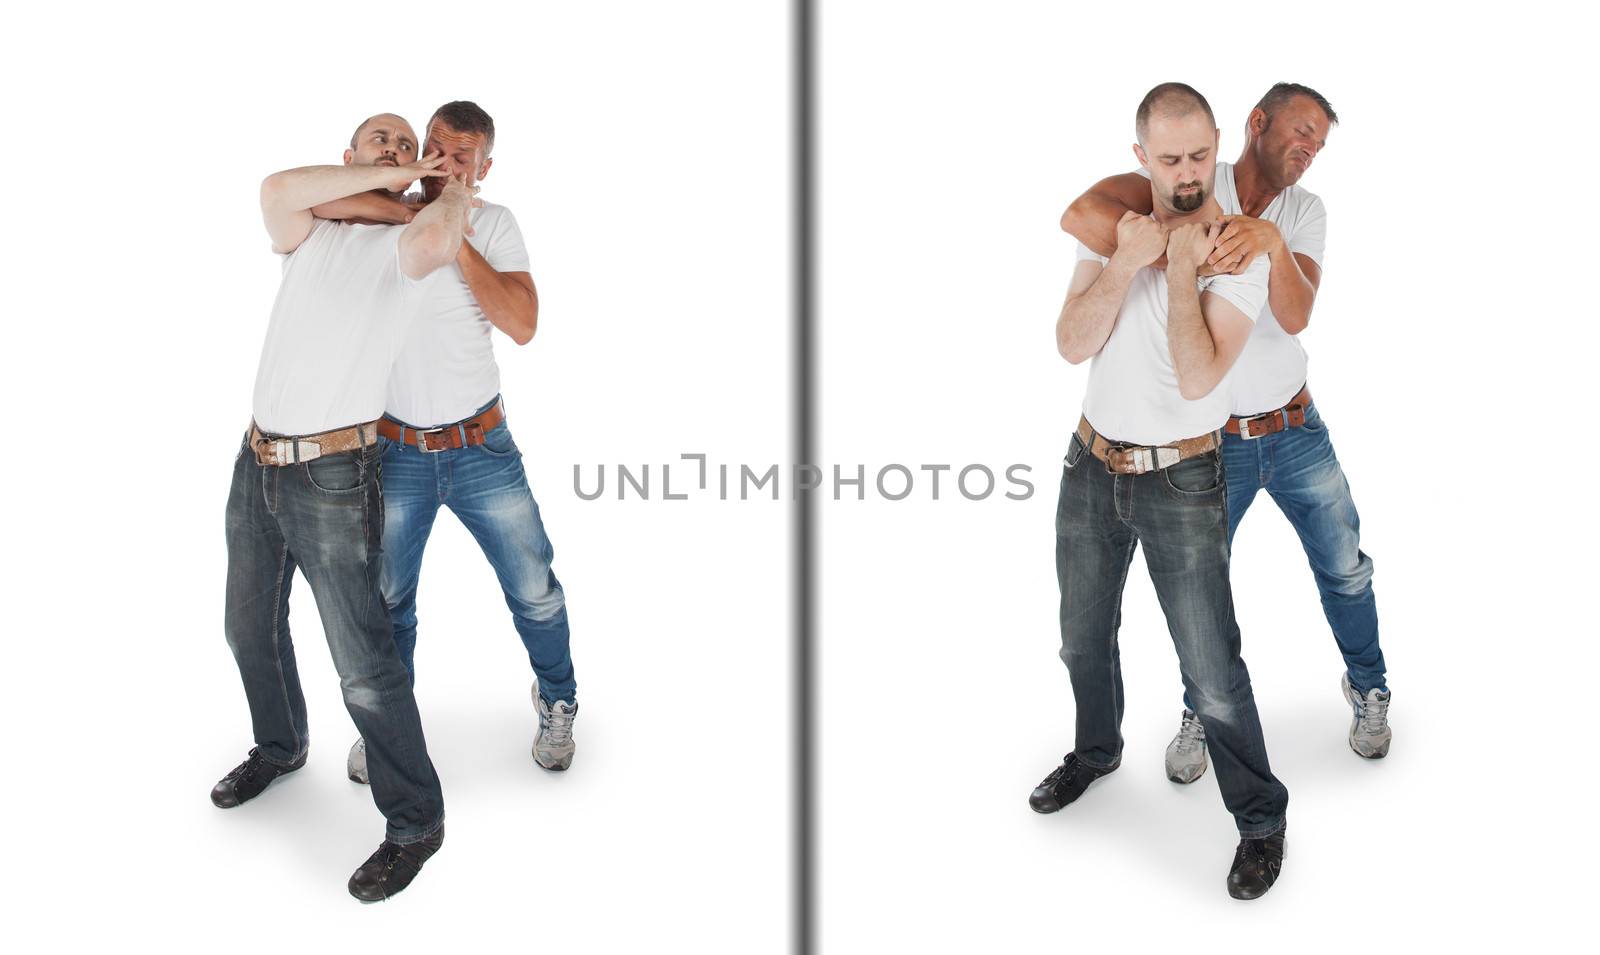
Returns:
(247, 769)
(1063, 773)
(558, 725)
(390, 855)
(1191, 735)
(1374, 714)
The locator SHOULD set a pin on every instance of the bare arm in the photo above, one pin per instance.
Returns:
(287, 197)
(1090, 311)
(378, 205)
(508, 299)
(1205, 334)
(1097, 291)
(1092, 218)
(1292, 290)
(434, 237)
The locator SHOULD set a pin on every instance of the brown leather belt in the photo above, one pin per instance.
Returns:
(281, 450)
(447, 437)
(1291, 415)
(1129, 459)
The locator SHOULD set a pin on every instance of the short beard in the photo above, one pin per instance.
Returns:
(1191, 202)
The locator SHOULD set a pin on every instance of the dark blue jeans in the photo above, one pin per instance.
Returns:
(1298, 469)
(486, 487)
(325, 517)
(1179, 515)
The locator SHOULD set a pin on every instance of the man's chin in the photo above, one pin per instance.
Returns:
(1189, 203)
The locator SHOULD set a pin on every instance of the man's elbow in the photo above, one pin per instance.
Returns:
(1193, 389)
(522, 336)
(1073, 219)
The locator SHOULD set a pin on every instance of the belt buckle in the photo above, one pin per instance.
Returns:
(422, 443)
(1145, 460)
(1244, 425)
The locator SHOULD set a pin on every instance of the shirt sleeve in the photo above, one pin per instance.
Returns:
(1247, 292)
(1310, 230)
(1086, 254)
(503, 248)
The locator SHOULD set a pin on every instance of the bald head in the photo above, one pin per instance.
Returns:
(1170, 101)
(387, 119)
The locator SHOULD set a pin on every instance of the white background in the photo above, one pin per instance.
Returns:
(1450, 353)
(643, 149)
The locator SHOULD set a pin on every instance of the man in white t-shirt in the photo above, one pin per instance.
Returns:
(1275, 439)
(1144, 468)
(305, 489)
(447, 441)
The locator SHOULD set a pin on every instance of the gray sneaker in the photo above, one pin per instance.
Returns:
(1369, 727)
(1186, 754)
(355, 765)
(553, 747)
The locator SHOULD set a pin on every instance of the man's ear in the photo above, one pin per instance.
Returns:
(1138, 153)
(349, 154)
(1256, 123)
(483, 171)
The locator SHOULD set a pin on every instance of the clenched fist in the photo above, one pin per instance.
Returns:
(1188, 245)
(1140, 239)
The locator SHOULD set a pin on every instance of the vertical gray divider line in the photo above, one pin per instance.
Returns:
(804, 435)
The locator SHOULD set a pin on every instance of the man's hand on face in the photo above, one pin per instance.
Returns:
(1242, 239)
(1140, 239)
(1188, 245)
(397, 178)
(457, 189)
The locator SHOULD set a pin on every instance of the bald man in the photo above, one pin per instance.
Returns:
(1145, 467)
(305, 484)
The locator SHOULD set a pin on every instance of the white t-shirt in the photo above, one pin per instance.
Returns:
(343, 309)
(446, 369)
(1133, 388)
(1272, 368)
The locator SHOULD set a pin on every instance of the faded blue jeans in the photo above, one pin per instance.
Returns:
(487, 489)
(1179, 515)
(325, 517)
(1298, 469)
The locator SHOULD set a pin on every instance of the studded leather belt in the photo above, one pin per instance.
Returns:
(447, 437)
(1291, 415)
(281, 450)
(1131, 459)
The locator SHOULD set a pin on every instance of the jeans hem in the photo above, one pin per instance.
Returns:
(293, 762)
(1100, 769)
(1265, 831)
(390, 836)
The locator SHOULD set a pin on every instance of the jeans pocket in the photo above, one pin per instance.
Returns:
(498, 443)
(1199, 475)
(1075, 451)
(343, 473)
(1314, 421)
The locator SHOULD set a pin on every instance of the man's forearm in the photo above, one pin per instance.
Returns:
(293, 190)
(1092, 219)
(1290, 292)
(434, 237)
(508, 304)
(1194, 353)
(374, 205)
(1086, 321)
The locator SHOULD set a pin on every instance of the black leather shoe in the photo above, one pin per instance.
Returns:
(392, 868)
(1064, 785)
(249, 778)
(1256, 865)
